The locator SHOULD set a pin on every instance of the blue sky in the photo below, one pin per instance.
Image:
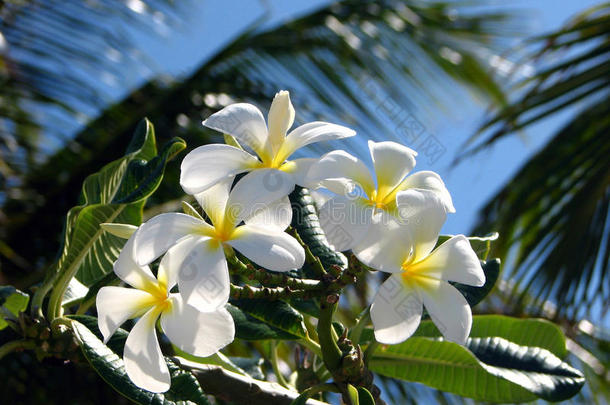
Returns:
(472, 183)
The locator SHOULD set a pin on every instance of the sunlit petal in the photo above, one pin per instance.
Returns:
(246, 123)
(299, 168)
(454, 260)
(341, 173)
(214, 200)
(386, 246)
(255, 191)
(268, 247)
(203, 278)
(115, 305)
(208, 164)
(144, 362)
(277, 214)
(313, 132)
(171, 263)
(345, 221)
(396, 311)
(281, 117)
(427, 180)
(195, 332)
(392, 162)
(449, 311)
(159, 233)
(126, 268)
(423, 213)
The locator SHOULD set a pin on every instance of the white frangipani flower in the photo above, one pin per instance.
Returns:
(206, 165)
(199, 333)
(347, 216)
(196, 247)
(420, 274)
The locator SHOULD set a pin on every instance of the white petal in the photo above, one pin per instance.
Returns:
(268, 248)
(172, 261)
(396, 311)
(277, 214)
(246, 123)
(161, 232)
(299, 168)
(386, 246)
(214, 200)
(281, 117)
(427, 180)
(255, 191)
(313, 132)
(203, 279)
(208, 164)
(392, 162)
(129, 271)
(423, 213)
(345, 222)
(198, 333)
(115, 305)
(143, 359)
(449, 311)
(341, 173)
(454, 260)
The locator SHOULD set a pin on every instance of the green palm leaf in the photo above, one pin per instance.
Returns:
(553, 216)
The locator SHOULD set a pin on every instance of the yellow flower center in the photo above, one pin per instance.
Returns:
(376, 200)
(411, 276)
(159, 298)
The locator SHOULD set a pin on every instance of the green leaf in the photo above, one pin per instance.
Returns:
(12, 303)
(474, 295)
(107, 363)
(352, 393)
(486, 369)
(261, 319)
(305, 220)
(217, 359)
(188, 209)
(365, 397)
(75, 292)
(117, 193)
(480, 244)
(525, 332)
(116, 341)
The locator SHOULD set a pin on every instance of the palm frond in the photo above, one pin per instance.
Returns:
(56, 61)
(554, 215)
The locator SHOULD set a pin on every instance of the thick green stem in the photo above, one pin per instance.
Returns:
(363, 320)
(269, 293)
(316, 389)
(10, 347)
(311, 345)
(331, 354)
(271, 279)
(276, 366)
(40, 295)
(54, 309)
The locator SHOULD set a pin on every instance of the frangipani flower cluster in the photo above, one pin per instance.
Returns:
(392, 221)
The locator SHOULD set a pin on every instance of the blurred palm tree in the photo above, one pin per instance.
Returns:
(554, 215)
